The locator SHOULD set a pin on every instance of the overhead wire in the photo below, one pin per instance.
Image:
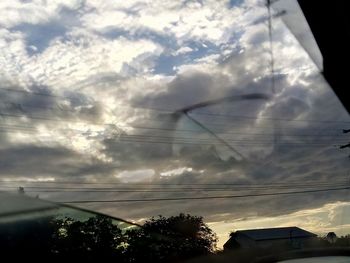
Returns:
(229, 116)
(151, 139)
(182, 188)
(204, 197)
(162, 129)
(215, 183)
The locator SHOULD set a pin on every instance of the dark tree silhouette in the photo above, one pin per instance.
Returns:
(28, 237)
(98, 239)
(170, 239)
(48, 237)
(91, 239)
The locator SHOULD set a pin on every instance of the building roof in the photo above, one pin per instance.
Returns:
(267, 234)
(275, 233)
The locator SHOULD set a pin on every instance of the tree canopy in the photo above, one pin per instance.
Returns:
(161, 239)
(170, 239)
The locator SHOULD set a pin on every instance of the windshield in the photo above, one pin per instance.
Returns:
(135, 109)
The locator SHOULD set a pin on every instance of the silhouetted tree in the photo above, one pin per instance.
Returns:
(48, 237)
(170, 239)
(28, 237)
(91, 239)
(331, 237)
(98, 239)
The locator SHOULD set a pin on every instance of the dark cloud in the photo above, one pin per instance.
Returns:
(40, 105)
(302, 152)
(35, 160)
(58, 162)
(289, 138)
(283, 163)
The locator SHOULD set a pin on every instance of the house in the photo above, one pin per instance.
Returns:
(287, 237)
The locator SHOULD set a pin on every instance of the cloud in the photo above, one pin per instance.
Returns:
(177, 171)
(58, 162)
(89, 91)
(135, 176)
(39, 35)
(315, 220)
(202, 22)
(183, 50)
(33, 12)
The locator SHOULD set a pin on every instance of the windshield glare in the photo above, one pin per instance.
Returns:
(159, 111)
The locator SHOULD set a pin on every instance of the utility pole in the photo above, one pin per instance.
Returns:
(345, 145)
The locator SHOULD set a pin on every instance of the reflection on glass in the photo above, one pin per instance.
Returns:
(215, 109)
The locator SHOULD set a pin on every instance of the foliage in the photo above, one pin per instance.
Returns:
(91, 238)
(160, 240)
(171, 239)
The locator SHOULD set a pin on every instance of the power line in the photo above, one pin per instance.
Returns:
(263, 126)
(61, 120)
(30, 117)
(242, 143)
(237, 117)
(187, 140)
(161, 129)
(236, 144)
(197, 139)
(33, 93)
(166, 185)
(19, 106)
(288, 183)
(203, 197)
(173, 110)
(159, 191)
(265, 118)
(242, 118)
(183, 189)
(195, 121)
(233, 133)
(191, 140)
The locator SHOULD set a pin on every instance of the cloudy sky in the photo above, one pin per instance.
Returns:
(136, 100)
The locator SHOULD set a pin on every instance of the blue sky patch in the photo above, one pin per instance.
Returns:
(39, 36)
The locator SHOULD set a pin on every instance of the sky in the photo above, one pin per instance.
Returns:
(92, 101)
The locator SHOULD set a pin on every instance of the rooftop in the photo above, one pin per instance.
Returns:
(275, 233)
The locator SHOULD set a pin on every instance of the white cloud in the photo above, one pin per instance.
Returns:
(29, 179)
(130, 63)
(16, 12)
(183, 50)
(135, 176)
(211, 21)
(82, 56)
(177, 171)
